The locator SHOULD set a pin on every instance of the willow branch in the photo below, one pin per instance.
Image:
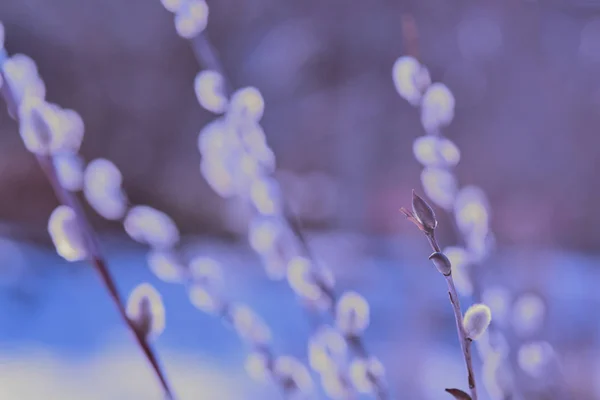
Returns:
(90, 238)
(207, 56)
(424, 218)
(465, 342)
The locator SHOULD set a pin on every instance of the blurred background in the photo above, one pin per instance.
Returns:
(525, 77)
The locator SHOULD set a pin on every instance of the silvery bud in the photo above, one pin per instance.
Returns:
(423, 213)
(441, 262)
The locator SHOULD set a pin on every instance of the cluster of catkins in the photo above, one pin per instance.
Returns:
(470, 209)
(48, 130)
(238, 164)
(236, 161)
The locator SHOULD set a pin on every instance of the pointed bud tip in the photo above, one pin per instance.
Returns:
(423, 212)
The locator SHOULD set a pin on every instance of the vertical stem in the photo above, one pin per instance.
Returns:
(465, 342)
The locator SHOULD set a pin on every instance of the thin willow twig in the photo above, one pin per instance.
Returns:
(465, 342)
(427, 223)
(90, 238)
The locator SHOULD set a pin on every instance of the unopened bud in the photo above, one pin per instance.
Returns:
(424, 213)
(477, 319)
(441, 262)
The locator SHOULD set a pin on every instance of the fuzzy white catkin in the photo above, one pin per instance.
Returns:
(110, 206)
(263, 233)
(218, 176)
(249, 326)
(472, 211)
(206, 292)
(103, 174)
(102, 189)
(336, 385)
(528, 314)
(247, 104)
(352, 315)
(432, 151)
(534, 357)
(210, 93)
(273, 241)
(166, 266)
(327, 349)
(146, 310)
(275, 264)
(20, 67)
(265, 195)
(152, 227)
(21, 74)
(257, 366)
(204, 299)
(362, 372)
(70, 131)
(39, 125)
(172, 5)
(69, 171)
(255, 143)
(440, 186)
(46, 128)
(437, 107)
(476, 321)
(207, 272)
(410, 78)
(191, 18)
(300, 277)
(213, 138)
(66, 234)
(289, 368)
